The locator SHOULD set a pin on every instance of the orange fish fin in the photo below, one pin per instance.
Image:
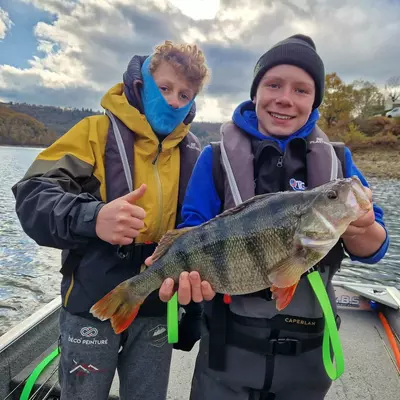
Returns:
(227, 299)
(283, 296)
(119, 305)
(124, 317)
(167, 240)
(288, 271)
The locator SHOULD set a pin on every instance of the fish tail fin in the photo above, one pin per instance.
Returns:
(124, 317)
(119, 305)
(283, 296)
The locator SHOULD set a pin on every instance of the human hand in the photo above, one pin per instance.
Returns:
(360, 226)
(190, 287)
(119, 221)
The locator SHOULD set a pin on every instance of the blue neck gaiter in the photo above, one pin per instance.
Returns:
(162, 118)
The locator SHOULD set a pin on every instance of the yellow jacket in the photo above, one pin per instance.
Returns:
(86, 143)
(58, 199)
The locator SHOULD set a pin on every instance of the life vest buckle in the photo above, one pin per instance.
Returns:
(284, 346)
(136, 253)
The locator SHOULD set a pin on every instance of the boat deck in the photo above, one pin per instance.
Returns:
(370, 371)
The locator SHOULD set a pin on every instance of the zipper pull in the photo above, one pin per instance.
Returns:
(280, 162)
(159, 150)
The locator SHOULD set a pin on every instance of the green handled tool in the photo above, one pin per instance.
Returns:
(331, 334)
(172, 319)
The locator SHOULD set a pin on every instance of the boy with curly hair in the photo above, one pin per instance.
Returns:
(104, 193)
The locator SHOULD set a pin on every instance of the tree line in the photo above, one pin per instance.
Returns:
(355, 112)
(351, 112)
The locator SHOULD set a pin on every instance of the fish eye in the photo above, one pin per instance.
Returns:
(332, 195)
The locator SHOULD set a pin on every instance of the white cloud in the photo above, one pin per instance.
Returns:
(5, 23)
(212, 109)
(56, 7)
(86, 49)
(197, 9)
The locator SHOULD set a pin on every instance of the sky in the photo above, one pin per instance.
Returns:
(68, 53)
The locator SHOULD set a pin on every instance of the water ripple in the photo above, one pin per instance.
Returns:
(29, 274)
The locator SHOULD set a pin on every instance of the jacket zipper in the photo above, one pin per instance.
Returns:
(71, 285)
(159, 150)
(159, 190)
(280, 162)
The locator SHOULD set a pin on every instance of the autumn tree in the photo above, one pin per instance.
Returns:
(338, 101)
(21, 129)
(393, 88)
(368, 99)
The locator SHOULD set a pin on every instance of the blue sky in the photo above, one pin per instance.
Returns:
(20, 44)
(70, 52)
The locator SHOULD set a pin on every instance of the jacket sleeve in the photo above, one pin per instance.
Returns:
(351, 169)
(201, 200)
(58, 199)
(201, 203)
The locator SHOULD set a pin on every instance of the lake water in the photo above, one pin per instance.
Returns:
(29, 274)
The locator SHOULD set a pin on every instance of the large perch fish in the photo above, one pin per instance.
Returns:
(268, 241)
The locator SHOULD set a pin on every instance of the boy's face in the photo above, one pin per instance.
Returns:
(284, 100)
(177, 91)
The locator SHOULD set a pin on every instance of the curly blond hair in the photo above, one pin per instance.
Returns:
(186, 59)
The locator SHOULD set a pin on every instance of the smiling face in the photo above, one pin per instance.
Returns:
(284, 100)
(176, 90)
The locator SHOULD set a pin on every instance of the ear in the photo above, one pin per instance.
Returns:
(254, 99)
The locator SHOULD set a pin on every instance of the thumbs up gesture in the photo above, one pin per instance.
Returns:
(119, 221)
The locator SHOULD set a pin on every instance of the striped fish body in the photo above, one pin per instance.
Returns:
(268, 241)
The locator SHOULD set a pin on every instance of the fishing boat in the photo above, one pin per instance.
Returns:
(369, 333)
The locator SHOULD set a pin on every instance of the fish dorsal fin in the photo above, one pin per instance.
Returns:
(241, 206)
(260, 197)
(169, 237)
(167, 240)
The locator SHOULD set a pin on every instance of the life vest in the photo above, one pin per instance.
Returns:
(233, 172)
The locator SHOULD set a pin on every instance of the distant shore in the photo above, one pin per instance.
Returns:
(378, 162)
(373, 161)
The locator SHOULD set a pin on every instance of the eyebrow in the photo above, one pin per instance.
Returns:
(166, 81)
(296, 82)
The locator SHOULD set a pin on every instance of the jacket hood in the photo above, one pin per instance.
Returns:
(117, 103)
(245, 118)
(133, 81)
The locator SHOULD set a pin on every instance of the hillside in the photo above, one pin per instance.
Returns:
(374, 141)
(57, 119)
(21, 129)
(61, 120)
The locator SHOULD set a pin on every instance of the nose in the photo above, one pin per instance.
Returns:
(284, 98)
(173, 101)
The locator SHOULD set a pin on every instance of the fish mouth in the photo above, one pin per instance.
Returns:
(358, 197)
(320, 245)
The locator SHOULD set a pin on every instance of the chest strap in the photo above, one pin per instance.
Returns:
(223, 331)
(136, 253)
(285, 346)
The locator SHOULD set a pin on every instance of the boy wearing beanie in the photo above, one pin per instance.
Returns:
(249, 350)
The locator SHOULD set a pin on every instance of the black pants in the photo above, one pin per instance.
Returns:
(294, 377)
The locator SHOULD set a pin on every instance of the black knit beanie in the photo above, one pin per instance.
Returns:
(298, 50)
